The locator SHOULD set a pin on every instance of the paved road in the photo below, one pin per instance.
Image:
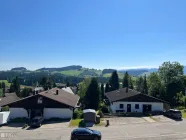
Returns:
(142, 131)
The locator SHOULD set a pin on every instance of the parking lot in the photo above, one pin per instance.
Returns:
(138, 128)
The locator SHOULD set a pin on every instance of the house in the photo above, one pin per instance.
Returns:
(128, 100)
(9, 97)
(53, 103)
(60, 85)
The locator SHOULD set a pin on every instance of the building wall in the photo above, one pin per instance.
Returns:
(4, 117)
(18, 113)
(64, 113)
(116, 106)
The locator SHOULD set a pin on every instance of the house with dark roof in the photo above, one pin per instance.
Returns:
(9, 97)
(53, 103)
(128, 100)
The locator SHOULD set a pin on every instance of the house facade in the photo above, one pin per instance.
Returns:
(53, 103)
(127, 100)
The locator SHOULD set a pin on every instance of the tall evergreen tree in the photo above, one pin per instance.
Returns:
(3, 87)
(15, 86)
(0, 85)
(93, 95)
(126, 80)
(145, 88)
(102, 91)
(131, 86)
(107, 88)
(114, 81)
(139, 84)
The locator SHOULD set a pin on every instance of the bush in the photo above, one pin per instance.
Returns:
(100, 113)
(104, 109)
(78, 114)
(18, 120)
(6, 108)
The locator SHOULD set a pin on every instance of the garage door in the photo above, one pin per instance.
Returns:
(64, 113)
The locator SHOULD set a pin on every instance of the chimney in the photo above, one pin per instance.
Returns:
(57, 92)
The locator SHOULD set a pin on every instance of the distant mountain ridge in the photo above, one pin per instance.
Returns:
(72, 67)
(79, 71)
(19, 69)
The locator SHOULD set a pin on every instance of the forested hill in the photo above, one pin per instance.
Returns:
(73, 67)
(73, 74)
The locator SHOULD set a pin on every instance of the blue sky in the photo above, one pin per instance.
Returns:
(92, 33)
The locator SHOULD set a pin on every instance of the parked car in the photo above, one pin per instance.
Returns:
(36, 122)
(172, 113)
(85, 134)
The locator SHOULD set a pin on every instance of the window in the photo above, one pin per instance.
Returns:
(121, 106)
(136, 106)
(40, 100)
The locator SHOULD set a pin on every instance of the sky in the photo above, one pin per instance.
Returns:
(93, 33)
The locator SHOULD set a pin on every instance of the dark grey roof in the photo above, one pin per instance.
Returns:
(62, 96)
(130, 96)
(9, 98)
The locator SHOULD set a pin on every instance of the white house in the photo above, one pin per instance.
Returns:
(53, 103)
(127, 100)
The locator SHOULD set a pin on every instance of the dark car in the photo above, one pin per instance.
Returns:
(172, 113)
(85, 134)
(36, 122)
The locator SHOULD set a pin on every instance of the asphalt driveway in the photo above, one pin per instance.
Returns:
(125, 120)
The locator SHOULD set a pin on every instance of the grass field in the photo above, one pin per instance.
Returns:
(121, 75)
(72, 72)
(6, 83)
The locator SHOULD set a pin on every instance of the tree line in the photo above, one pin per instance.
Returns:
(2, 89)
(169, 83)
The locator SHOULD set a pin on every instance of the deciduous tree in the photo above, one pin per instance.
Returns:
(171, 75)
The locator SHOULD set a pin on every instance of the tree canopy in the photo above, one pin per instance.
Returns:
(114, 81)
(93, 95)
(126, 80)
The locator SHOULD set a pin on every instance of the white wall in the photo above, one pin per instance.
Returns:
(4, 117)
(18, 113)
(64, 113)
(155, 106)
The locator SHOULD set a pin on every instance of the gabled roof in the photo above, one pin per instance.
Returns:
(62, 96)
(9, 98)
(130, 96)
(68, 89)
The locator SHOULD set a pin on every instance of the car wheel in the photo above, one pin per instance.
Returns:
(96, 138)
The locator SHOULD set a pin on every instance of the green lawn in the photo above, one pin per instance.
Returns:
(78, 123)
(6, 83)
(75, 123)
(183, 114)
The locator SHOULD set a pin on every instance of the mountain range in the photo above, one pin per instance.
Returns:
(80, 71)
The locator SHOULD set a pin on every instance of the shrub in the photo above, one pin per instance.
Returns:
(78, 114)
(104, 109)
(16, 120)
(6, 108)
(100, 113)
